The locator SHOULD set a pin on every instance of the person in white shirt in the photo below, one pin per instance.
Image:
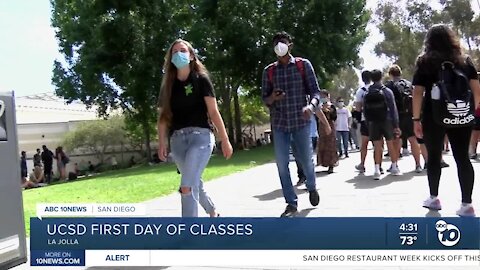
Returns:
(366, 78)
(342, 126)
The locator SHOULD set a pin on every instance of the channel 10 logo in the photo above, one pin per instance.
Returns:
(448, 234)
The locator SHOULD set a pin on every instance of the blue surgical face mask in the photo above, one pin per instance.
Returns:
(181, 59)
(323, 100)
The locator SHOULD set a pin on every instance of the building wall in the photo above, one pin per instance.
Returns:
(33, 136)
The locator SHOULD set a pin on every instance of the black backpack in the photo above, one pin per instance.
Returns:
(375, 104)
(402, 91)
(452, 99)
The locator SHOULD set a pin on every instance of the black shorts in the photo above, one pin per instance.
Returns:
(477, 123)
(379, 130)
(420, 141)
(364, 128)
(406, 126)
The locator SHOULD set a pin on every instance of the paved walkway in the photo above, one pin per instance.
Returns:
(257, 192)
(345, 193)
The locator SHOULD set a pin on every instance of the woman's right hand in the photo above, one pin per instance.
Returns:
(162, 151)
(227, 149)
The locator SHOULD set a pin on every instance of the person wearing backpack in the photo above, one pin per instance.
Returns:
(402, 90)
(359, 106)
(382, 116)
(449, 80)
(291, 92)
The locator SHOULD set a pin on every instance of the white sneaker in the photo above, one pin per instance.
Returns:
(395, 171)
(432, 204)
(360, 168)
(418, 169)
(405, 152)
(389, 169)
(376, 176)
(466, 211)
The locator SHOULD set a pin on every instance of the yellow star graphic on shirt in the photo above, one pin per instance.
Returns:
(188, 90)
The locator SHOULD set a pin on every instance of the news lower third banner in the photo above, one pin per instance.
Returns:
(254, 241)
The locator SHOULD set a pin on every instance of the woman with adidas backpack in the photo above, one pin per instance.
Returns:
(446, 83)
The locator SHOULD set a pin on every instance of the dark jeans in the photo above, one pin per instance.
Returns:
(342, 137)
(302, 150)
(47, 171)
(300, 173)
(433, 135)
(314, 143)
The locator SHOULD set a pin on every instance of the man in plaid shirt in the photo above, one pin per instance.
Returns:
(290, 90)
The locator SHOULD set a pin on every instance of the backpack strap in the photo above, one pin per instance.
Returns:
(299, 63)
(270, 71)
(382, 89)
(301, 67)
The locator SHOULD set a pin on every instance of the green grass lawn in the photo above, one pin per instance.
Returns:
(136, 184)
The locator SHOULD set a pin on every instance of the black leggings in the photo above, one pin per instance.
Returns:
(459, 140)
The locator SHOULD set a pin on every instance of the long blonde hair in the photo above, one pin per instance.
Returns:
(169, 77)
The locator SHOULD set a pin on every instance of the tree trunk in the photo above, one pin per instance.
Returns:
(146, 133)
(238, 122)
(227, 100)
(469, 45)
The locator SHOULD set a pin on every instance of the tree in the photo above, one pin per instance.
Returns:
(329, 33)
(232, 50)
(113, 51)
(404, 29)
(460, 13)
(113, 48)
(253, 113)
(344, 84)
(96, 136)
(238, 45)
(135, 135)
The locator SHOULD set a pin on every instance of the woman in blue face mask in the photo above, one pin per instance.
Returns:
(187, 110)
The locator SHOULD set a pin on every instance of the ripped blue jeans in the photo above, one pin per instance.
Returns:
(191, 149)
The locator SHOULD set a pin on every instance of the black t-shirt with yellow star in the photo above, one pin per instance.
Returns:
(188, 104)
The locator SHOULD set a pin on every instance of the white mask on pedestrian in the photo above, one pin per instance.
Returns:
(281, 49)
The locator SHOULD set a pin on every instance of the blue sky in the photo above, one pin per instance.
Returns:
(27, 48)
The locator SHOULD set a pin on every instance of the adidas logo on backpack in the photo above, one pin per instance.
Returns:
(461, 110)
(451, 98)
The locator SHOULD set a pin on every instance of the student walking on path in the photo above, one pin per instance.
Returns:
(187, 105)
(290, 90)
(445, 76)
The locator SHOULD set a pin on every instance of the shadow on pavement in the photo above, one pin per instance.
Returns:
(270, 196)
(305, 212)
(434, 214)
(323, 173)
(366, 181)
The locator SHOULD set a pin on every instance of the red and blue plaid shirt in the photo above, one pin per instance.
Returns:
(286, 114)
